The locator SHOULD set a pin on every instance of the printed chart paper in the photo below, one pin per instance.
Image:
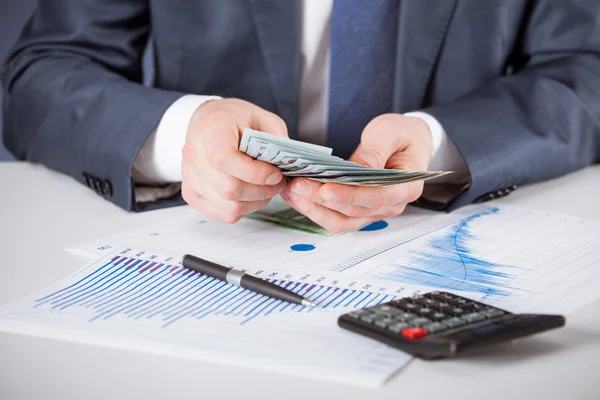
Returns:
(144, 301)
(516, 258)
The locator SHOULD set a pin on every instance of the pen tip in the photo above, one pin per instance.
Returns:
(307, 303)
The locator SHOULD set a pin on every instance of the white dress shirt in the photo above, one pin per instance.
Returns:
(159, 161)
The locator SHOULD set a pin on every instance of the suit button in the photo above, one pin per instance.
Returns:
(88, 180)
(106, 188)
(495, 195)
(102, 187)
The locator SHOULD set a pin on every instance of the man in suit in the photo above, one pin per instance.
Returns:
(504, 92)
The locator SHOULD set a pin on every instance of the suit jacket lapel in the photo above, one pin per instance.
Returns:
(278, 28)
(422, 27)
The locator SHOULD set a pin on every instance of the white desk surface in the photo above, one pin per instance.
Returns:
(41, 212)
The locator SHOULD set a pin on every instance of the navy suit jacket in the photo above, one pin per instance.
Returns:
(515, 83)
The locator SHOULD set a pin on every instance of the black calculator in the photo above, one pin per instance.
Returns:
(440, 324)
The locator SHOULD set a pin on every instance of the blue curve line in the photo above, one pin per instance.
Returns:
(450, 263)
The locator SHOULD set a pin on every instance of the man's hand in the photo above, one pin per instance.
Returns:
(388, 141)
(219, 180)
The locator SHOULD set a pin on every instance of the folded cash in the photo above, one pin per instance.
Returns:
(277, 212)
(300, 159)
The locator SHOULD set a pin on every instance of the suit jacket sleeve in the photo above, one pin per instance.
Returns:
(74, 100)
(541, 121)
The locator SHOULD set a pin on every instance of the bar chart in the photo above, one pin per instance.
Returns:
(144, 300)
(135, 288)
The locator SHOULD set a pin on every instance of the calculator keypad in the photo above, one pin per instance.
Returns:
(427, 314)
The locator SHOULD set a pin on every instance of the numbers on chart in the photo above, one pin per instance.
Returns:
(141, 253)
(367, 286)
(272, 274)
(305, 277)
(105, 247)
(168, 259)
(153, 257)
(154, 234)
(257, 273)
(125, 251)
(321, 279)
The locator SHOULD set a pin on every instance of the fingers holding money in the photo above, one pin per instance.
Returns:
(374, 197)
(218, 179)
(228, 187)
(330, 219)
(345, 199)
(220, 202)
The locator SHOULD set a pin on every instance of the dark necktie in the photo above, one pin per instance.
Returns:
(363, 60)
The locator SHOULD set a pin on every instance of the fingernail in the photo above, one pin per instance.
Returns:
(273, 179)
(368, 159)
(329, 195)
(302, 189)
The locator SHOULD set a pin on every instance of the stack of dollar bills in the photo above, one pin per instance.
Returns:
(278, 213)
(300, 159)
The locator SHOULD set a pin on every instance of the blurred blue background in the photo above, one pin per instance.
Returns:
(13, 15)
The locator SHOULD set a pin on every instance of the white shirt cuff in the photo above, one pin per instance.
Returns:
(444, 155)
(159, 160)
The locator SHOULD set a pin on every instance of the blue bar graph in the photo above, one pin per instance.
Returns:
(132, 288)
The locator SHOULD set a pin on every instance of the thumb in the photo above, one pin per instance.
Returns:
(268, 122)
(378, 142)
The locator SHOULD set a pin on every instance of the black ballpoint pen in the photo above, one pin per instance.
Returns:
(243, 280)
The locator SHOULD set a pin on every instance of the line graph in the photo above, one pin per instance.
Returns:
(517, 258)
(449, 261)
(136, 289)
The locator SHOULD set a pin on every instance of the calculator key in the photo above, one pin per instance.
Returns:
(382, 313)
(383, 322)
(398, 303)
(435, 327)
(493, 313)
(453, 322)
(443, 306)
(457, 311)
(473, 317)
(359, 313)
(404, 316)
(397, 327)
(368, 318)
(460, 302)
(414, 333)
(478, 306)
(438, 316)
(425, 301)
(419, 321)
(393, 312)
(384, 308)
(425, 312)
(410, 306)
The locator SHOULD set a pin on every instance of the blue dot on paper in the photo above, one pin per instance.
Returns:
(374, 226)
(302, 247)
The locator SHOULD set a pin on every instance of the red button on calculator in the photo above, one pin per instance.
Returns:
(414, 333)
